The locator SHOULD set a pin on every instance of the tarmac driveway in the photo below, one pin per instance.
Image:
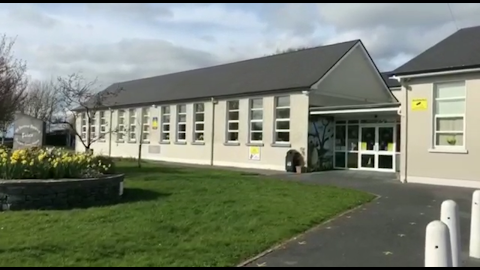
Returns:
(389, 232)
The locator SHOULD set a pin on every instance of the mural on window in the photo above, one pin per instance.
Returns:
(320, 138)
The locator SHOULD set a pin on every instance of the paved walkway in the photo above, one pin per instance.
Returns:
(389, 232)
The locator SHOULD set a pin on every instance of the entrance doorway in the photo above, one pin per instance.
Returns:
(377, 147)
(370, 144)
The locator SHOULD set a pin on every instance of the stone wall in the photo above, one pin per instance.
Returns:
(59, 194)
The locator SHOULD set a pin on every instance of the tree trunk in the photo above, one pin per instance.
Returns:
(139, 159)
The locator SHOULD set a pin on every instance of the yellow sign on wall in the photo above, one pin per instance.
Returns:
(419, 104)
(154, 122)
(254, 153)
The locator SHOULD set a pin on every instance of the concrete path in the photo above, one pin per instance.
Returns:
(389, 232)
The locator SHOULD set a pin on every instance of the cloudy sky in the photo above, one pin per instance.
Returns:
(118, 42)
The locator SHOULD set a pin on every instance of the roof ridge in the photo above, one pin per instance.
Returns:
(355, 41)
(468, 28)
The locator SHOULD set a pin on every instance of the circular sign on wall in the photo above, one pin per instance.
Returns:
(28, 135)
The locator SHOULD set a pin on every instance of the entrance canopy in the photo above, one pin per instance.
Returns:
(354, 109)
(364, 137)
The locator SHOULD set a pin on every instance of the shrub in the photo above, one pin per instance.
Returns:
(36, 163)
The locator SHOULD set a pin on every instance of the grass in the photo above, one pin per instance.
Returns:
(173, 217)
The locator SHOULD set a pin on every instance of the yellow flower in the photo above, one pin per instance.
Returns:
(13, 161)
(31, 163)
(24, 162)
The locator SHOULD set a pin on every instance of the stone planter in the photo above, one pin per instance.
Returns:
(60, 193)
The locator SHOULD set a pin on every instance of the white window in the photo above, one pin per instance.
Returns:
(132, 125)
(181, 122)
(146, 125)
(256, 120)
(232, 120)
(103, 125)
(93, 126)
(121, 126)
(449, 114)
(83, 118)
(282, 119)
(165, 131)
(199, 129)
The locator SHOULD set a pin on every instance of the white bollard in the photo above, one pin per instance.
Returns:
(449, 216)
(475, 226)
(438, 252)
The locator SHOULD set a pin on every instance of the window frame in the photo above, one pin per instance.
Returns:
(93, 126)
(228, 121)
(103, 117)
(121, 127)
(436, 116)
(195, 122)
(83, 126)
(178, 123)
(132, 124)
(163, 123)
(251, 120)
(276, 119)
(146, 124)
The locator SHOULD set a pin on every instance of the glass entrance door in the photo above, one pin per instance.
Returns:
(368, 142)
(386, 148)
(377, 148)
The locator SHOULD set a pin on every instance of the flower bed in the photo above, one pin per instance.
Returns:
(56, 179)
(37, 163)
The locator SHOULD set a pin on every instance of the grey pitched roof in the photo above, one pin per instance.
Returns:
(457, 51)
(293, 70)
(390, 82)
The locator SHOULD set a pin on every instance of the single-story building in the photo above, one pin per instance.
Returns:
(439, 92)
(329, 103)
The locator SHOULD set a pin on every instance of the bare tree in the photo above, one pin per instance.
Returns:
(140, 121)
(13, 82)
(76, 95)
(41, 100)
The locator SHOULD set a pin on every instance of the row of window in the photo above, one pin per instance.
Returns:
(127, 131)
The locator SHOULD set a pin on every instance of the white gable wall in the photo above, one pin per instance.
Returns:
(353, 78)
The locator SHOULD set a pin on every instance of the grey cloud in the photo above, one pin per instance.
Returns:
(389, 30)
(296, 19)
(134, 11)
(208, 38)
(27, 15)
(125, 60)
(351, 16)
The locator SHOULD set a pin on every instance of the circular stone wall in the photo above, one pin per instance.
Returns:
(60, 194)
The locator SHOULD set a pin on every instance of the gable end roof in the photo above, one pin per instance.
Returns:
(288, 71)
(460, 50)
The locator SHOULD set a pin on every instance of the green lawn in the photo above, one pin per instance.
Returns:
(173, 217)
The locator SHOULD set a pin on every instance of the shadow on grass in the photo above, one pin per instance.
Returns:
(250, 174)
(136, 170)
(130, 195)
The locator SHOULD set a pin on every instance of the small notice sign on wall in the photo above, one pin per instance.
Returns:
(419, 104)
(154, 123)
(254, 153)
